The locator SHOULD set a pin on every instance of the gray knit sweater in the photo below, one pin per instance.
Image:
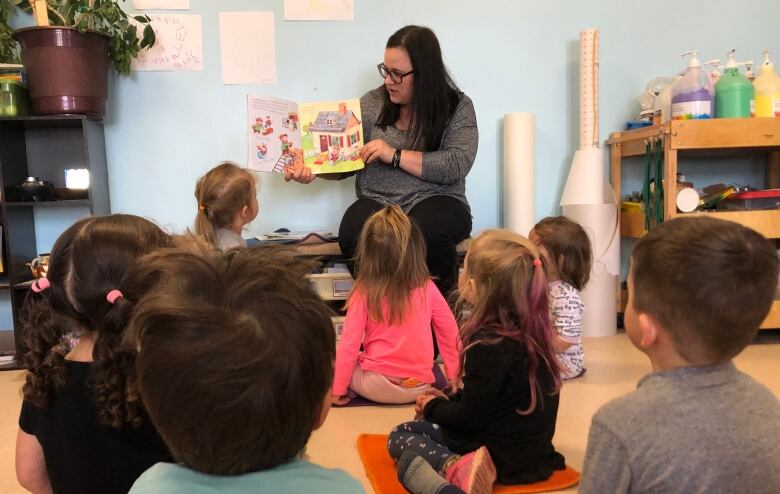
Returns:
(443, 171)
(692, 430)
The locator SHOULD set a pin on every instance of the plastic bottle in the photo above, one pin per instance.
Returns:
(715, 72)
(692, 95)
(733, 92)
(749, 74)
(767, 86)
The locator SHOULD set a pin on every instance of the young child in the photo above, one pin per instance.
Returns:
(698, 289)
(227, 201)
(391, 310)
(566, 249)
(508, 404)
(235, 366)
(82, 426)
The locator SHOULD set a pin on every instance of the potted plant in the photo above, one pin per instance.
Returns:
(9, 48)
(67, 60)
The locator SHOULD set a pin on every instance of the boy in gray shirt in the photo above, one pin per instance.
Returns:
(698, 291)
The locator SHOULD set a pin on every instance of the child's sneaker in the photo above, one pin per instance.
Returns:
(473, 473)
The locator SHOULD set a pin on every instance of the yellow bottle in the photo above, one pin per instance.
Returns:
(767, 85)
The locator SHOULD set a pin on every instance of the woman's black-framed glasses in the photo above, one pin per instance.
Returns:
(395, 75)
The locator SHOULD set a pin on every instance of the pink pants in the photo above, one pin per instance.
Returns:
(383, 389)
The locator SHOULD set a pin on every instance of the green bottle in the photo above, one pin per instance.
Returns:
(733, 92)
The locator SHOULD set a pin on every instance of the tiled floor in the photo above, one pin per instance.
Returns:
(614, 367)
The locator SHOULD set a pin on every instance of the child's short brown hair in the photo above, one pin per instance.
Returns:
(235, 357)
(708, 282)
(569, 249)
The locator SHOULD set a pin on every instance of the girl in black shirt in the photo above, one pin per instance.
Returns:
(502, 420)
(83, 428)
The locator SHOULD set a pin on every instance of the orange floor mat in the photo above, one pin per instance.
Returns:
(381, 471)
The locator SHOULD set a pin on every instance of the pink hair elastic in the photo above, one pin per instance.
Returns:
(40, 285)
(537, 262)
(113, 295)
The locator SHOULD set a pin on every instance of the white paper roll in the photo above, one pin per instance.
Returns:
(589, 88)
(687, 199)
(519, 163)
(585, 184)
(600, 222)
(600, 299)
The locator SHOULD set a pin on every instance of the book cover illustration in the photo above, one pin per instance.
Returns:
(324, 136)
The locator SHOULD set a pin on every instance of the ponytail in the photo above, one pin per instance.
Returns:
(42, 335)
(512, 303)
(221, 194)
(114, 378)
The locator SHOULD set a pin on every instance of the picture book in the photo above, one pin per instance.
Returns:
(324, 136)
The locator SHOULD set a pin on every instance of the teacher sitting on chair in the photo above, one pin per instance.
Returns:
(421, 139)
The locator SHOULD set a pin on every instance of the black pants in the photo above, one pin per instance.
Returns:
(444, 221)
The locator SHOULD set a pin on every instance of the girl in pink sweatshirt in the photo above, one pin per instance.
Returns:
(390, 311)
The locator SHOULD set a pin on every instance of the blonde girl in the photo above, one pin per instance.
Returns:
(500, 424)
(227, 201)
(391, 310)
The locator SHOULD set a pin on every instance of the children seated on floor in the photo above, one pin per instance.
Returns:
(501, 423)
(392, 307)
(235, 365)
(566, 248)
(698, 289)
(83, 428)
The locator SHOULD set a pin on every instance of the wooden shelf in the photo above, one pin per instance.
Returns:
(721, 136)
(45, 146)
(725, 133)
(717, 133)
(767, 223)
(632, 224)
(48, 204)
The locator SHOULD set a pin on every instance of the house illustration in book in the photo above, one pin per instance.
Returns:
(340, 129)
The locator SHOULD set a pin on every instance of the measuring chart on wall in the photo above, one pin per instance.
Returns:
(589, 93)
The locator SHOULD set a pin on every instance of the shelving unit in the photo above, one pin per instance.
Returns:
(681, 136)
(44, 146)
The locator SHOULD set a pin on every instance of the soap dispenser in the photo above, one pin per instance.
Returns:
(767, 87)
(692, 95)
(733, 92)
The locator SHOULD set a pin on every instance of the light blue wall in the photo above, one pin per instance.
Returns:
(164, 129)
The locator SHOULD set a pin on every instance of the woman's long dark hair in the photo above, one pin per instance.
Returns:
(90, 259)
(434, 94)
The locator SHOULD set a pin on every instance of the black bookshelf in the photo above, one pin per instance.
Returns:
(44, 147)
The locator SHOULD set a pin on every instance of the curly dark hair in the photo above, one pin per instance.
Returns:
(90, 259)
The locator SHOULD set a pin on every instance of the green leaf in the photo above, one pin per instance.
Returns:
(150, 38)
(104, 16)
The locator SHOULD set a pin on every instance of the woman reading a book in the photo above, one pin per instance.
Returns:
(421, 140)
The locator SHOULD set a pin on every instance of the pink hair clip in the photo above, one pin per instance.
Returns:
(40, 285)
(537, 262)
(113, 295)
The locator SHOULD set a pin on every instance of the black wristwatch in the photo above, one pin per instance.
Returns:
(396, 158)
